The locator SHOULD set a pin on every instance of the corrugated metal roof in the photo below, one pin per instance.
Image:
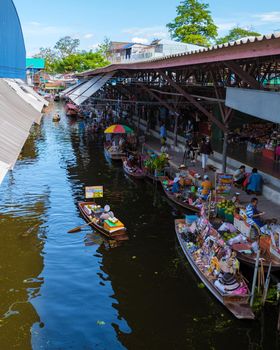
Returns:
(35, 63)
(16, 118)
(12, 48)
(214, 53)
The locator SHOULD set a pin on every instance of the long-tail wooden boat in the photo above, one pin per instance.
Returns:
(238, 305)
(135, 172)
(177, 200)
(71, 110)
(113, 153)
(114, 233)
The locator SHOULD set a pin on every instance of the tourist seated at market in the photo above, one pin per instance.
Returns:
(253, 214)
(239, 175)
(205, 187)
(107, 214)
(176, 185)
(255, 182)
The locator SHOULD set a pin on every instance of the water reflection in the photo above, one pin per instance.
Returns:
(81, 291)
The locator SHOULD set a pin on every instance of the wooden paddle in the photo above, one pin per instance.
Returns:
(78, 228)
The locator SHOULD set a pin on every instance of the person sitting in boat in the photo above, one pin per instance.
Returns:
(107, 214)
(176, 186)
(121, 142)
(205, 187)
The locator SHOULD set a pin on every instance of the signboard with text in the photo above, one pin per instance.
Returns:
(94, 192)
(224, 183)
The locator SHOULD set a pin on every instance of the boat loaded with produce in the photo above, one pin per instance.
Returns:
(185, 199)
(110, 226)
(246, 240)
(215, 264)
(132, 167)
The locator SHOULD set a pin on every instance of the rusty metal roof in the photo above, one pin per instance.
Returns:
(250, 47)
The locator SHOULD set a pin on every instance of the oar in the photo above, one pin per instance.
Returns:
(77, 229)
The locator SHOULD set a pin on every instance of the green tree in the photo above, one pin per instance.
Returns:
(104, 47)
(49, 56)
(67, 46)
(80, 62)
(235, 34)
(194, 24)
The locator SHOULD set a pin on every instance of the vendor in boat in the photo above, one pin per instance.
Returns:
(107, 214)
(253, 214)
(176, 186)
(205, 187)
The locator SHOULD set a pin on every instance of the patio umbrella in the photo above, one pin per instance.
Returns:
(118, 129)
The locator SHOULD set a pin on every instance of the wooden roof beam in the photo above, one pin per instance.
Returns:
(245, 76)
(189, 97)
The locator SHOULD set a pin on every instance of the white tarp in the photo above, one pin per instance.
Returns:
(26, 96)
(82, 93)
(258, 103)
(16, 118)
(31, 91)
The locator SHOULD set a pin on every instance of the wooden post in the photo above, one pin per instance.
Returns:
(255, 279)
(176, 129)
(266, 286)
(225, 146)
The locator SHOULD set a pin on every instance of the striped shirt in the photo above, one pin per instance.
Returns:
(250, 211)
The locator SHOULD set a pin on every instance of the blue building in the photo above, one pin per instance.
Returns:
(12, 48)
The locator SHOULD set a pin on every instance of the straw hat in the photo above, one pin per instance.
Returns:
(182, 166)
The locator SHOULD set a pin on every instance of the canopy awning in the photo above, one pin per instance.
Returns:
(71, 88)
(82, 93)
(31, 98)
(16, 118)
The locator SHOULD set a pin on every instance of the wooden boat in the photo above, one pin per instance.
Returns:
(238, 305)
(176, 199)
(113, 153)
(71, 110)
(136, 172)
(117, 233)
(56, 117)
(250, 260)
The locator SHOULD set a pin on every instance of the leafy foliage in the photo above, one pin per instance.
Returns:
(194, 24)
(49, 56)
(156, 163)
(235, 34)
(104, 47)
(65, 57)
(80, 62)
(67, 46)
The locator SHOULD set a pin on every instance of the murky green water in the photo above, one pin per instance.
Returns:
(61, 291)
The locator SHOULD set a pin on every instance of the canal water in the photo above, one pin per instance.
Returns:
(79, 291)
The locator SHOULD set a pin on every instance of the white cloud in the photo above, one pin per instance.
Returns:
(140, 40)
(268, 17)
(88, 36)
(94, 46)
(146, 34)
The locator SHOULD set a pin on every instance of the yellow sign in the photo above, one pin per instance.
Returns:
(94, 192)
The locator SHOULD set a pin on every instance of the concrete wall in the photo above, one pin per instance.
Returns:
(261, 104)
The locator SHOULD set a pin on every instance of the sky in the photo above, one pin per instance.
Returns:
(45, 22)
